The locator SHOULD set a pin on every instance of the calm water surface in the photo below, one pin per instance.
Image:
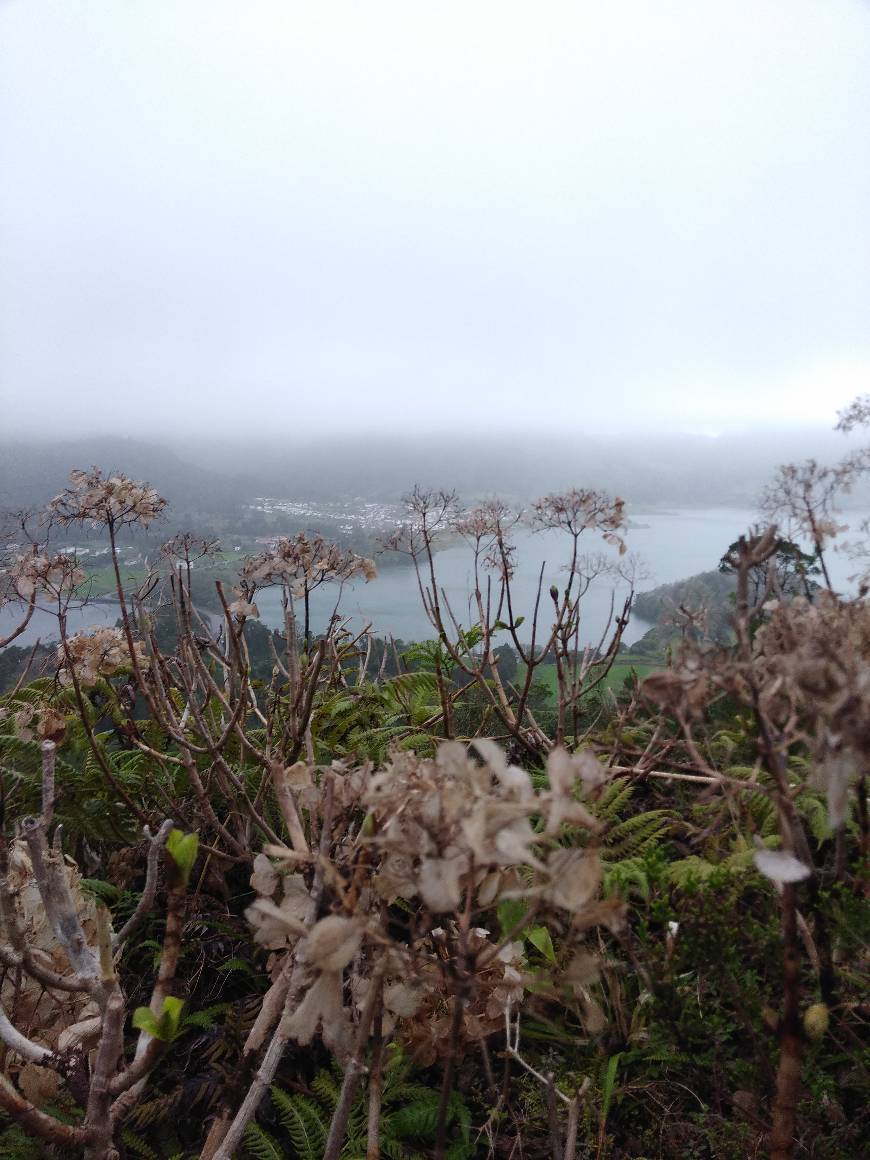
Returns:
(670, 545)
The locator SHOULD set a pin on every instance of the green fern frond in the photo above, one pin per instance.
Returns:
(206, 1018)
(395, 1150)
(303, 1122)
(691, 869)
(814, 809)
(631, 874)
(137, 1147)
(259, 1145)
(103, 891)
(636, 836)
(418, 1120)
(407, 686)
(326, 1087)
(739, 860)
(460, 1150)
(615, 798)
(82, 805)
(421, 743)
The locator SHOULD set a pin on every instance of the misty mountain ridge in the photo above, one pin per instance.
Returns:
(217, 475)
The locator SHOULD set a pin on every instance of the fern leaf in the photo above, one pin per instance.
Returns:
(303, 1122)
(137, 1147)
(259, 1145)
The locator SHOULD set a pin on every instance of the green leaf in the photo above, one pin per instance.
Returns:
(144, 1020)
(102, 891)
(609, 1083)
(236, 964)
(164, 1028)
(303, 1121)
(540, 939)
(510, 911)
(170, 1018)
(260, 1145)
(182, 849)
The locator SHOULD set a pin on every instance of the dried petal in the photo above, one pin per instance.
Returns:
(296, 898)
(395, 878)
(264, 879)
(513, 842)
(487, 891)
(298, 775)
(780, 866)
(565, 810)
(575, 876)
(439, 883)
(451, 756)
(333, 942)
(590, 770)
(560, 770)
(403, 1000)
(492, 753)
(244, 608)
(594, 1019)
(583, 970)
(322, 1004)
(38, 1084)
(275, 927)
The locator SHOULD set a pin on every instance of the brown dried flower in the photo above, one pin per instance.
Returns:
(302, 563)
(114, 499)
(100, 653)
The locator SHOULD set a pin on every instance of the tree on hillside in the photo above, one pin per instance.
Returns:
(789, 572)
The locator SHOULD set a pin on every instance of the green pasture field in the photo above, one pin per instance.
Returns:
(100, 581)
(623, 668)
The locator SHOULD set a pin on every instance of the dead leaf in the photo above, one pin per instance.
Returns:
(333, 942)
(438, 883)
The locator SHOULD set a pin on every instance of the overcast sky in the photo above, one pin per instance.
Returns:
(411, 215)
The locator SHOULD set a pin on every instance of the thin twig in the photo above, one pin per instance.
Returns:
(146, 902)
(355, 1068)
(376, 1081)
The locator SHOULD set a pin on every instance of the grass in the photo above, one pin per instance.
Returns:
(622, 669)
(100, 581)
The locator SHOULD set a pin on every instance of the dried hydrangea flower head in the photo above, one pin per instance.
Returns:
(805, 670)
(487, 528)
(460, 832)
(583, 509)
(303, 562)
(469, 824)
(184, 548)
(857, 414)
(488, 520)
(29, 575)
(115, 499)
(804, 496)
(102, 653)
(430, 514)
(813, 657)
